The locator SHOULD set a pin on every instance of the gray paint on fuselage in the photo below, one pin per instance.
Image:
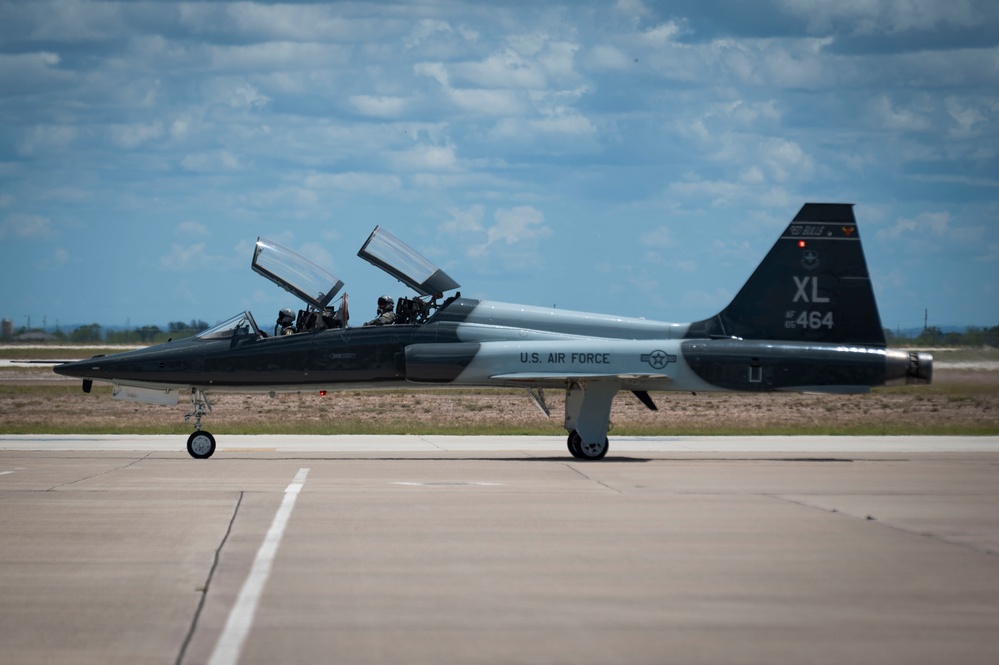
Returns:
(484, 319)
(645, 364)
(757, 366)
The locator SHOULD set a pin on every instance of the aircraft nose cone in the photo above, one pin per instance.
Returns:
(80, 369)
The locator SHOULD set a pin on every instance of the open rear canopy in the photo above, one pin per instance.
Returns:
(398, 259)
(295, 273)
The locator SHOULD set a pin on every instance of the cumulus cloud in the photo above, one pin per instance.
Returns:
(47, 138)
(518, 224)
(661, 237)
(57, 259)
(427, 158)
(661, 35)
(243, 96)
(426, 29)
(192, 228)
(604, 57)
(888, 16)
(136, 134)
(508, 83)
(254, 59)
(378, 106)
(487, 102)
(30, 72)
(27, 227)
(895, 118)
(270, 22)
(786, 159)
(940, 226)
(193, 257)
(464, 221)
(376, 183)
(507, 69)
(513, 226)
(969, 120)
(208, 162)
(184, 257)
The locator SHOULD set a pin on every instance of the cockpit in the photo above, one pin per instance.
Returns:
(320, 292)
(238, 327)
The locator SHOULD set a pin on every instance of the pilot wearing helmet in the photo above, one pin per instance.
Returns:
(285, 323)
(386, 312)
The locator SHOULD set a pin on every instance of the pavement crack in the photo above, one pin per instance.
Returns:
(98, 475)
(894, 527)
(430, 443)
(594, 480)
(204, 588)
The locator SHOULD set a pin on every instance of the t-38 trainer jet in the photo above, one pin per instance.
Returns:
(806, 321)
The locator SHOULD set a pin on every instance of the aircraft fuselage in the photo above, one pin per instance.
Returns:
(481, 343)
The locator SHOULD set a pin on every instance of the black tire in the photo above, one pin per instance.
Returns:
(583, 451)
(201, 445)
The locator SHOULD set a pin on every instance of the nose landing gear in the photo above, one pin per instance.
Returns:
(201, 444)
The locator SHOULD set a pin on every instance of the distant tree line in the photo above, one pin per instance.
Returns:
(933, 336)
(95, 333)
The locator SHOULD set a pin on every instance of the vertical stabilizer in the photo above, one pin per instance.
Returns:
(813, 286)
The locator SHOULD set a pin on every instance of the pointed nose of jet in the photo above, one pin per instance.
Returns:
(92, 368)
(171, 362)
(88, 370)
(135, 364)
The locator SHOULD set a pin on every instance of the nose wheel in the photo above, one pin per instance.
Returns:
(201, 445)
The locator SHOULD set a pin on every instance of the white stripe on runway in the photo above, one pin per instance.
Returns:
(237, 627)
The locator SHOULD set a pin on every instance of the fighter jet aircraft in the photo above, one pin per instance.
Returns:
(806, 321)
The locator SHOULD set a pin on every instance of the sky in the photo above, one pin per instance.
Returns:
(628, 157)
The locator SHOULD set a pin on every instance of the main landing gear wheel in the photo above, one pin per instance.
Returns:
(587, 451)
(201, 445)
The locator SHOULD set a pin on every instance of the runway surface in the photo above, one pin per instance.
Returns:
(499, 550)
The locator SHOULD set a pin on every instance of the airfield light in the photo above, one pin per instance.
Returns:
(322, 393)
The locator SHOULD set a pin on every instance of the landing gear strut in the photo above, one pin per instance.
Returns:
(587, 417)
(201, 444)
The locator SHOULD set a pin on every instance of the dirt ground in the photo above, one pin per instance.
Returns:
(37, 401)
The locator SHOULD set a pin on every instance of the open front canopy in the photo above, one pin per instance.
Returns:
(295, 273)
(398, 259)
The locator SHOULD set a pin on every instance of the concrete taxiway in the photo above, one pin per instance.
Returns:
(499, 550)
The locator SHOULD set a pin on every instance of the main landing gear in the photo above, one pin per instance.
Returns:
(587, 451)
(201, 444)
(587, 417)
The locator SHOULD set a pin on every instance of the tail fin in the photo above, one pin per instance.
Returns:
(813, 286)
